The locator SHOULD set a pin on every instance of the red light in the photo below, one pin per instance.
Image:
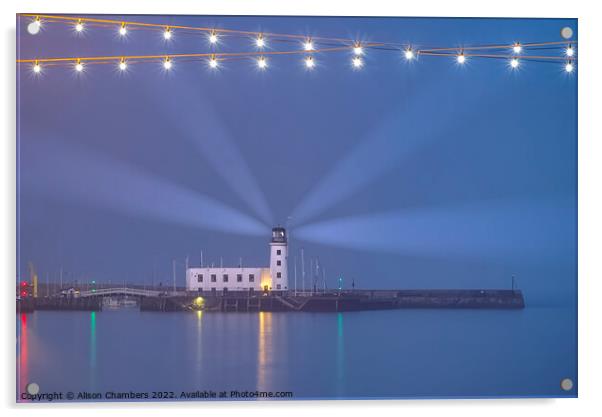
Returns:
(24, 293)
(24, 283)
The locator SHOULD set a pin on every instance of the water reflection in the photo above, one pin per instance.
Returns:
(92, 349)
(340, 356)
(199, 345)
(264, 349)
(22, 371)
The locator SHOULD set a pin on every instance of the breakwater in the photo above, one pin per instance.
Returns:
(358, 300)
(333, 301)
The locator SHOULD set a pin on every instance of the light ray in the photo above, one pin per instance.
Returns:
(395, 138)
(214, 143)
(491, 230)
(68, 172)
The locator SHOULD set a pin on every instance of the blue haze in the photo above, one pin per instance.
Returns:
(401, 175)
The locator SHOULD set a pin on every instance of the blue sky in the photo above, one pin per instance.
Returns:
(422, 174)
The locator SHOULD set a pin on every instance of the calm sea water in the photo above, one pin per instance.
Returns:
(373, 354)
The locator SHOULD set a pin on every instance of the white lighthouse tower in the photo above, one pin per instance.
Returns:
(279, 259)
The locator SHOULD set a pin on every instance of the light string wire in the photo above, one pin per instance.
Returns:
(334, 45)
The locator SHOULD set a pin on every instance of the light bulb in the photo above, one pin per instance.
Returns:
(569, 67)
(570, 51)
(260, 42)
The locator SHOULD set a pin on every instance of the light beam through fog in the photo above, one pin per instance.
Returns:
(64, 171)
(492, 230)
(213, 142)
(403, 131)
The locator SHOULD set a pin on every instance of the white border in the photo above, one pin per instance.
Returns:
(590, 208)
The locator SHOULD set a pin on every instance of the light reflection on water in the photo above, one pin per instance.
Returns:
(199, 344)
(374, 354)
(22, 352)
(340, 355)
(92, 349)
(264, 348)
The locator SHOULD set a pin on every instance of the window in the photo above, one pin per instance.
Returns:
(225, 277)
(278, 274)
(278, 263)
(199, 278)
(251, 277)
(239, 278)
(278, 286)
(213, 278)
(278, 252)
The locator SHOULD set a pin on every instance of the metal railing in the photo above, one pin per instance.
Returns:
(123, 291)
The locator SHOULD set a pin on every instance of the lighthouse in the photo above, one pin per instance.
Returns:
(278, 259)
(245, 278)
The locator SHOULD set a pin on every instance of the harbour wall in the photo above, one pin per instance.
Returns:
(333, 301)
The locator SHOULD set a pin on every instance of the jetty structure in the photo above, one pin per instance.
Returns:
(266, 288)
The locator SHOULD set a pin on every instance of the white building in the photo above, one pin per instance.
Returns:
(274, 277)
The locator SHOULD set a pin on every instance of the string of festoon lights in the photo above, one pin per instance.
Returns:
(308, 48)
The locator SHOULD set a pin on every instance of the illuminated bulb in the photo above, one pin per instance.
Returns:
(570, 51)
(79, 27)
(308, 45)
(79, 67)
(517, 48)
(123, 30)
(37, 68)
(213, 38)
(409, 54)
(358, 50)
(260, 42)
(569, 67)
(167, 34)
(514, 63)
(461, 59)
(123, 65)
(357, 62)
(309, 62)
(167, 64)
(262, 63)
(213, 62)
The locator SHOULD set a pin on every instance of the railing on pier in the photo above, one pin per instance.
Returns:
(136, 292)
